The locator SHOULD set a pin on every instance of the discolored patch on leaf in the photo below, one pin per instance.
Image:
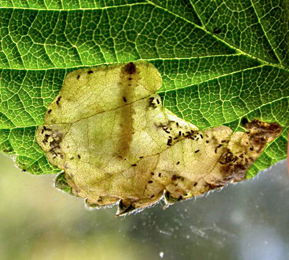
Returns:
(108, 132)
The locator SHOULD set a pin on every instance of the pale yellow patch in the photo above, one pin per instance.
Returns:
(108, 132)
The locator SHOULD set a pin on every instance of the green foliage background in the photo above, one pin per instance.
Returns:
(220, 61)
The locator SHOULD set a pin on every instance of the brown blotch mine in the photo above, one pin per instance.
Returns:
(174, 166)
(234, 166)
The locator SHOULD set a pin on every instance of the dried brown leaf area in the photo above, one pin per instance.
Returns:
(108, 132)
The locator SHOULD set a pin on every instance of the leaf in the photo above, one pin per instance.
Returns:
(221, 61)
(109, 133)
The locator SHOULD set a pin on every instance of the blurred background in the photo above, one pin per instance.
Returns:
(249, 220)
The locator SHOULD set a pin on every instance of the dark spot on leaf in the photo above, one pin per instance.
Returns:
(244, 121)
(124, 99)
(133, 164)
(197, 151)
(174, 177)
(130, 68)
(7, 150)
(218, 148)
(78, 76)
(151, 102)
(217, 30)
(89, 72)
(49, 111)
(78, 156)
(150, 181)
(178, 163)
(58, 100)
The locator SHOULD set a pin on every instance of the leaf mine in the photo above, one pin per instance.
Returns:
(108, 132)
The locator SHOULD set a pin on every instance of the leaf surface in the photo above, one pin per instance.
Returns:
(221, 61)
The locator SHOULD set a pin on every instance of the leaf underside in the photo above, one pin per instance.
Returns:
(221, 62)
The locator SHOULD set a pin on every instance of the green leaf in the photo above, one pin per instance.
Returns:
(221, 61)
